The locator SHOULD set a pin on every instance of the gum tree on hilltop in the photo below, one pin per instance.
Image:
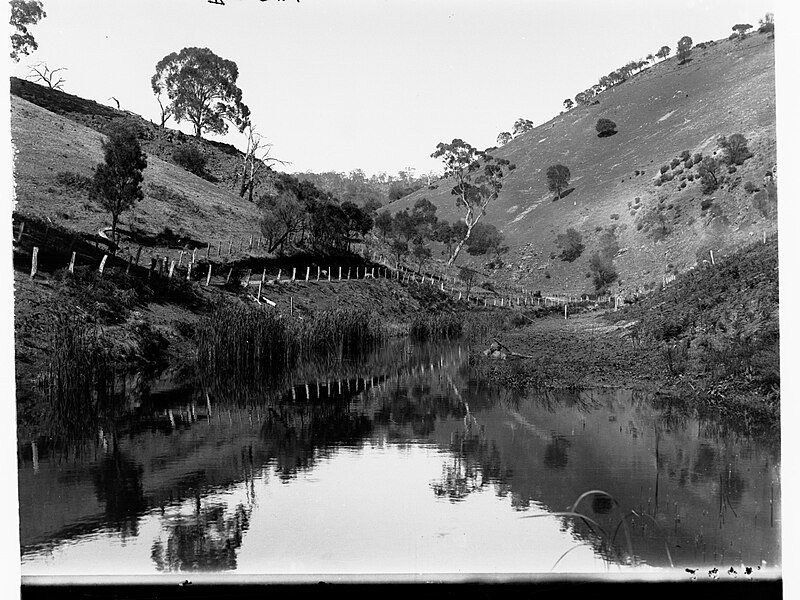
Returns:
(503, 138)
(478, 180)
(663, 52)
(23, 14)
(684, 49)
(521, 126)
(201, 88)
(742, 29)
(118, 179)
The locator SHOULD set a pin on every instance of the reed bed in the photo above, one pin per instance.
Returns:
(436, 326)
(78, 381)
(237, 342)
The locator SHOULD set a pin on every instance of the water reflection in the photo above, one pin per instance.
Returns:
(190, 473)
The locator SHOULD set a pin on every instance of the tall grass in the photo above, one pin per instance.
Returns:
(424, 327)
(238, 342)
(78, 380)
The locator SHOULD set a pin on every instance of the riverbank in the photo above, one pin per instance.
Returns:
(597, 349)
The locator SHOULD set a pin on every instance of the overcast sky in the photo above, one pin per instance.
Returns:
(375, 84)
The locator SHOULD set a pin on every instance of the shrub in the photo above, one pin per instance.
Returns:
(191, 159)
(690, 177)
(689, 164)
(675, 162)
(735, 149)
(706, 204)
(750, 187)
(166, 194)
(698, 157)
(658, 182)
(731, 169)
(601, 265)
(685, 155)
(614, 216)
(571, 244)
(74, 180)
(605, 127)
(664, 169)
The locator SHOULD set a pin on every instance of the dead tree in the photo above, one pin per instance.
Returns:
(253, 163)
(41, 73)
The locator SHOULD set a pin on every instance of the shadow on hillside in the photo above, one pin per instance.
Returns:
(684, 62)
(564, 194)
(163, 238)
(604, 134)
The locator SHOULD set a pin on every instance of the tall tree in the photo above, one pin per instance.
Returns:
(256, 159)
(478, 180)
(742, 29)
(568, 104)
(684, 49)
(663, 52)
(503, 138)
(557, 178)
(521, 126)
(118, 179)
(23, 14)
(202, 89)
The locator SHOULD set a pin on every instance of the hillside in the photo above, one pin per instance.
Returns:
(726, 88)
(55, 151)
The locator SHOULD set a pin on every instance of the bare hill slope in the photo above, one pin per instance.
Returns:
(726, 88)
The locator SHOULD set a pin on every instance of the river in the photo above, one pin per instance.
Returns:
(406, 462)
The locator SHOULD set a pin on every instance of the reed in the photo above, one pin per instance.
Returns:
(435, 326)
(242, 343)
(78, 381)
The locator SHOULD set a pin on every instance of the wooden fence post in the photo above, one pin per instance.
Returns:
(228, 278)
(230, 247)
(171, 268)
(373, 272)
(712, 256)
(294, 273)
(565, 312)
(319, 271)
(330, 269)
(21, 229)
(34, 261)
(279, 275)
(103, 264)
(208, 277)
(180, 258)
(340, 273)
(251, 243)
(189, 272)
(264, 276)
(308, 272)
(219, 248)
(348, 273)
(71, 267)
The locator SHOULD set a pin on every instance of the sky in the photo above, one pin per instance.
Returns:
(337, 85)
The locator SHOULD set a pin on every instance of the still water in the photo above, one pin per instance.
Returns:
(407, 462)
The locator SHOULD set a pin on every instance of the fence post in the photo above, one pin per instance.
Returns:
(329, 273)
(21, 229)
(208, 277)
(219, 248)
(189, 272)
(308, 272)
(340, 273)
(373, 272)
(264, 276)
(171, 268)
(565, 312)
(152, 267)
(712, 256)
(228, 278)
(294, 273)
(319, 272)
(348, 273)
(34, 261)
(103, 264)
(230, 247)
(279, 275)
(251, 243)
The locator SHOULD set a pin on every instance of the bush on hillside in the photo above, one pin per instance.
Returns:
(602, 269)
(664, 169)
(75, 181)
(192, 159)
(734, 148)
(571, 244)
(675, 162)
(605, 127)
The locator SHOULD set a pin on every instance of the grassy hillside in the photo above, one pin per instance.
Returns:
(56, 152)
(726, 88)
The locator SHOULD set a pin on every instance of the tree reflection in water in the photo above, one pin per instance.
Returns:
(206, 540)
(118, 483)
(555, 454)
